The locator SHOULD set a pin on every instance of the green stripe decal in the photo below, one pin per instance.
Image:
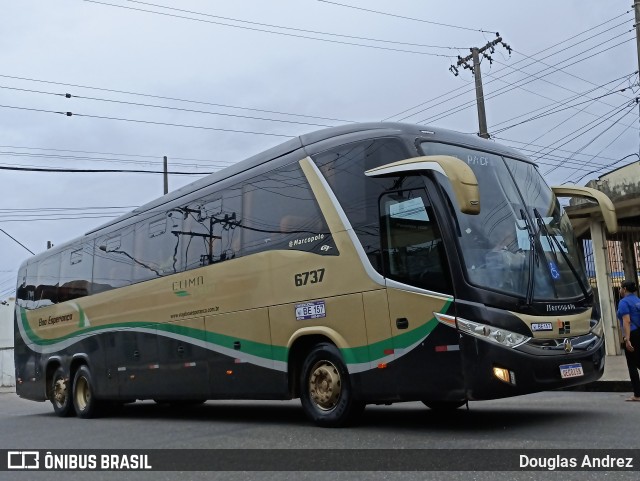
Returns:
(354, 355)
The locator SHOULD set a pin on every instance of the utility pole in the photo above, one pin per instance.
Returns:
(166, 176)
(636, 6)
(475, 57)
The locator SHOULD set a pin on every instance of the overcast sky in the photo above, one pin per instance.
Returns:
(225, 57)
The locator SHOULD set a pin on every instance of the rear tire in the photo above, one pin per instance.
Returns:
(60, 394)
(84, 401)
(325, 388)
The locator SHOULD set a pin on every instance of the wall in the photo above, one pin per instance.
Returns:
(7, 370)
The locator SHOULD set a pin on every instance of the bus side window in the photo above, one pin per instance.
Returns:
(412, 245)
(281, 212)
(75, 272)
(344, 168)
(113, 261)
(26, 292)
(156, 246)
(48, 280)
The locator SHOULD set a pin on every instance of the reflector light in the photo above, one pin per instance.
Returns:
(229, 373)
(388, 352)
(382, 365)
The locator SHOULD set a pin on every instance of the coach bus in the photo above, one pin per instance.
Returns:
(361, 264)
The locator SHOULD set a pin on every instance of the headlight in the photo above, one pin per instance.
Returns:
(597, 327)
(496, 335)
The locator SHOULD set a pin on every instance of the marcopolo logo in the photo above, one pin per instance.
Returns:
(23, 460)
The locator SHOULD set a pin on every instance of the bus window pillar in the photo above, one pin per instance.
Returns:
(603, 279)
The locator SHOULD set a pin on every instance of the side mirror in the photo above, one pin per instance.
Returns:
(463, 180)
(607, 208)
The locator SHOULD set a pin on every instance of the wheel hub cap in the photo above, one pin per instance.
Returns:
(325, 385)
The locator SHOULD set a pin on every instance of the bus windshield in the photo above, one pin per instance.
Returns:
(522, 242)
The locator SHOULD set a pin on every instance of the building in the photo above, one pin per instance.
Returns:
(7, 369)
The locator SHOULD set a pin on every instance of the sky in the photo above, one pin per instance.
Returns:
(208, 83)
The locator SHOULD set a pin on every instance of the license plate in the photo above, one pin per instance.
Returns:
(310, 310)
(571, 370)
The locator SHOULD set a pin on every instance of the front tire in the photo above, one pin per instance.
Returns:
(60, 394)
(84, 401)
(325, 388)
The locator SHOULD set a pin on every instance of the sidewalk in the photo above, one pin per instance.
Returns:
(615, 379)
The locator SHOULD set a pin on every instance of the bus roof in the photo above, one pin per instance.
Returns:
(341, 134)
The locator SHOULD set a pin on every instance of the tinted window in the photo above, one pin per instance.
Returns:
(76, 268)
(281, 212)
(344, 169)
(210, 233)
(26, 292)
(156, 248)
(48, 278)
(412, 245)
(113, 261)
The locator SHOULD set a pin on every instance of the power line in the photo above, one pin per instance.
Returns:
(502, 91)
(569, 99)
(70, 114)
(431, 54)
(16, 241)
(32, 169)
(607, 166)
(207, 165)
(510, 73)
(539, 146)
(295, 29)
(408, 18)
(114, 153)
(590, 128)
(199, 102)
(139, 104)
(64, 209)
(556, 110)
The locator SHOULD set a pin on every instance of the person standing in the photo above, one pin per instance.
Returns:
(629, 317)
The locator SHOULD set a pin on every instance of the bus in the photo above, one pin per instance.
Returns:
(363, 264)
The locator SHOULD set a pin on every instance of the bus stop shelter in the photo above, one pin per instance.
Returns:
(610, 257)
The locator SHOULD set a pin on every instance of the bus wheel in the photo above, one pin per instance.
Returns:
(84, 402)
(444, 405)
(325, 388)
(61, 394)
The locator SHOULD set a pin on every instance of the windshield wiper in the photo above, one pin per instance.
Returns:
(551, 239)
(533, 257)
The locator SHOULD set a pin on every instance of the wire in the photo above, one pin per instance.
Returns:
(139, 94)
(504, 90)
(67, 95)
(16, 240)
(295, 29)
(113, 153)
(431, 54)
(510, 73)
(567, 100)
(32, 169)
(557, 110)
(608, 166)
(69, 114)
(408, 18)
